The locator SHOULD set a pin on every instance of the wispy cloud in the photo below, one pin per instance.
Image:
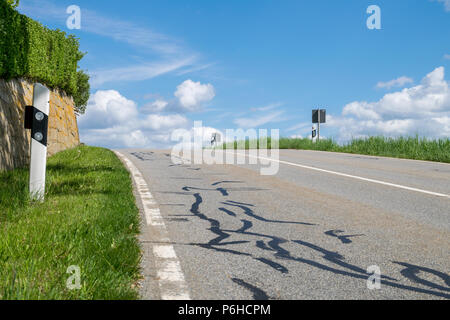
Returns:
(259, 116)
(447, 56)
(195, 69)
(138, 72)
(268, 107)
(304, 126)
(446, 4)
(170, 53)
(399, 82)
(113, 28)
(130, 33)
(43, 9)
(255, 122)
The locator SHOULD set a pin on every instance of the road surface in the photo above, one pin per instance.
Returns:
(309, 232)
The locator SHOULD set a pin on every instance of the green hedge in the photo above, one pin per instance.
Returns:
(30, 50)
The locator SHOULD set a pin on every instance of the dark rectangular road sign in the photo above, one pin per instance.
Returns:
(315, 116)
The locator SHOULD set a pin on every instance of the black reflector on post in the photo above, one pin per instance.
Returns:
(29, 110)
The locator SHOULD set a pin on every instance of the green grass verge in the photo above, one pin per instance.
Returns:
(403, 147)
(89, 219)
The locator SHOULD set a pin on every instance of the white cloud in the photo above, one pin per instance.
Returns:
(361, 110)
(399, 82)
(155, 106)
(423, 109)
(113, 121)
(192, 95)
(447, 56)
(157, 122)
(107, 108)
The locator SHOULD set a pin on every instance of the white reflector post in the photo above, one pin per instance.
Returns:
(41, 104)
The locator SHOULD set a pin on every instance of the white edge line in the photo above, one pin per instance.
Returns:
(349, 176)
(171, 280)
(369, 156)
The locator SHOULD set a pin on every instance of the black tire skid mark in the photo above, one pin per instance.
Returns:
(249, 212)
(258, 294)
(228, 212)
(282, 253)
(343, 238)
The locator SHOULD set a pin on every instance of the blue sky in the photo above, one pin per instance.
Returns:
(259, 63)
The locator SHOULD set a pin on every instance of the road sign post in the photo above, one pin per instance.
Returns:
(319, 116)
(215, 139)
(36, 119)
(318, 127)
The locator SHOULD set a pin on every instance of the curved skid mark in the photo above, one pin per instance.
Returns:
(411, 272)
(344, 238)
(223, 191)
(228, 212)
(336, 258)
(220, 182)
(258, 294)
(215, 225)
(274, 265)
(246, 226)
(249, 212)
(260, 244)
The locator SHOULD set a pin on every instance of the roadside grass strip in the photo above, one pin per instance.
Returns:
(88, 222)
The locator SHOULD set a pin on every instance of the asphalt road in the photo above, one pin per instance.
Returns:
(308, 232)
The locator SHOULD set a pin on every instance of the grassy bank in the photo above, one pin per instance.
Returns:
(406, 148)
(89, 219)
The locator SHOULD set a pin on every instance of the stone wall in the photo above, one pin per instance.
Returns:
(15, 140)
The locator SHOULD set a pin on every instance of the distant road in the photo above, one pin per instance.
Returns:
(309, 232)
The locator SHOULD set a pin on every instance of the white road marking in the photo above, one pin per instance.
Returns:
(164, 252)
(171, 272)
(349, 176)
(170, 277)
